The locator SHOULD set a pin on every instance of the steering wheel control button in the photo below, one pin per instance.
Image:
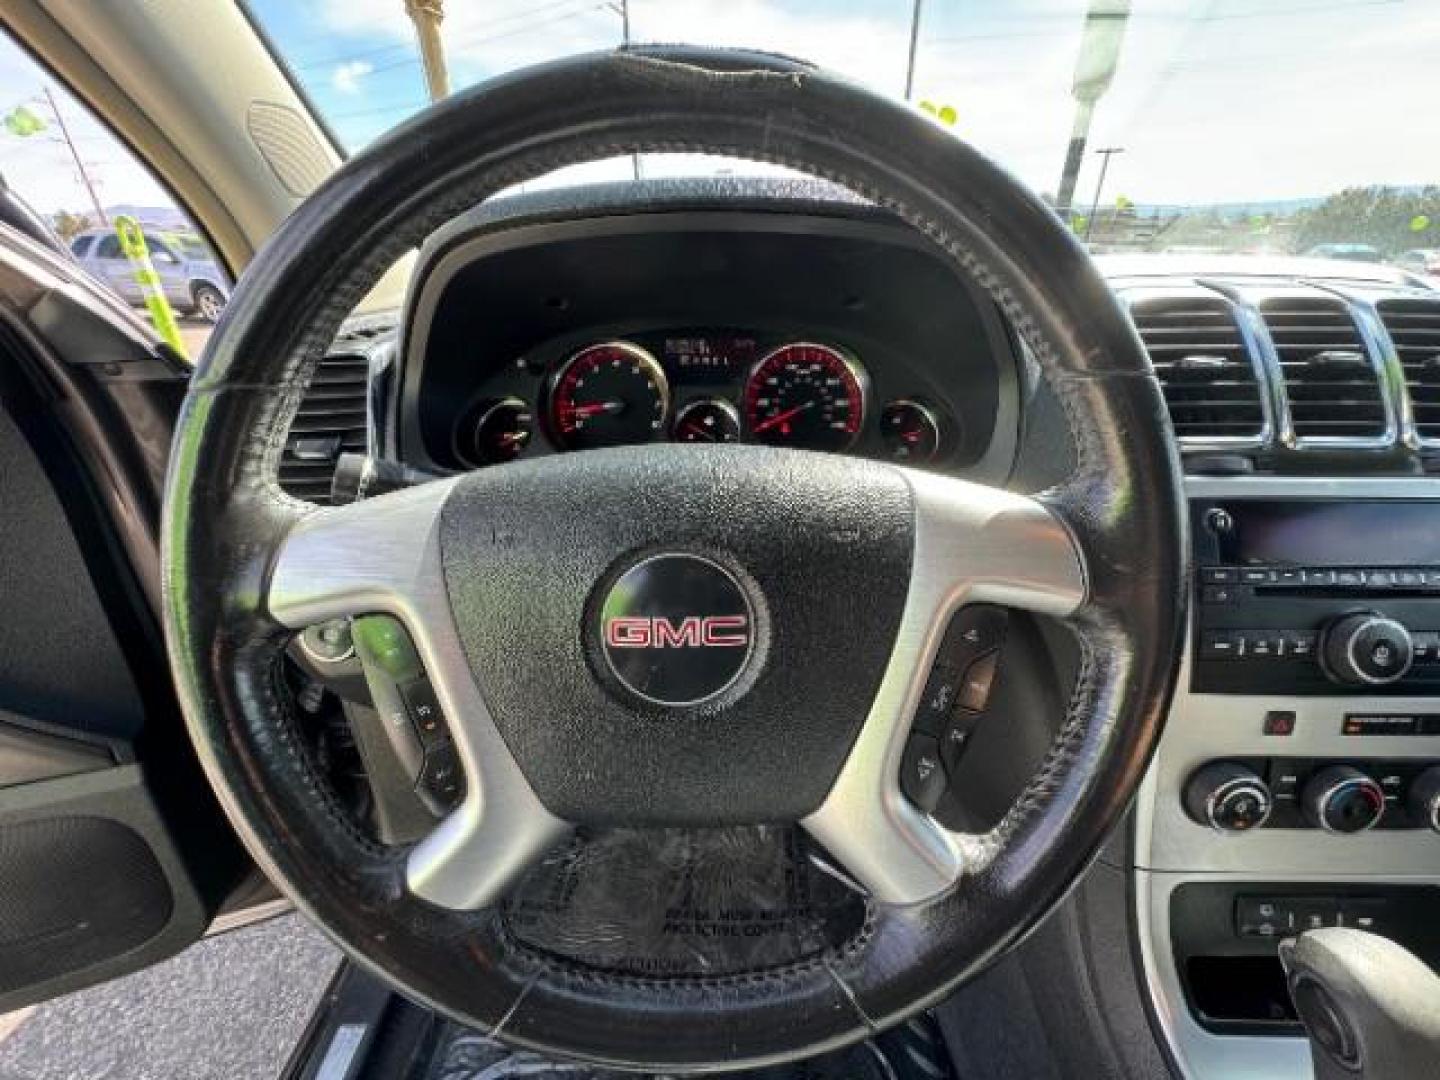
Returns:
(423, 708)
(1342, 799)
(384, 642)
(677, 629)
(955, 739)
(1228, 797)
(964, 667)
(922, 773)
(442, 781)
(979, 678)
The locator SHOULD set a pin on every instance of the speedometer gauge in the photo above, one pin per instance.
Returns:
(805, 395)
(610, 394)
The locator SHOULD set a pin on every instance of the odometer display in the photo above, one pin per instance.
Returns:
(611, 394)
(805, 395)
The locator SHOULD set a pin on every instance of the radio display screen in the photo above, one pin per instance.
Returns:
(1388, 533)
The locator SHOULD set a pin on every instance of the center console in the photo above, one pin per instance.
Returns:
(1297, 783)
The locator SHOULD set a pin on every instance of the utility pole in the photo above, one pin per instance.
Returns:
(1107, 153)
(914, 44)
(75, 153)
(427, 15)
(622, 8)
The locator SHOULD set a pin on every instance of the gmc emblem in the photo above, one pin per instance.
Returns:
(691, 632)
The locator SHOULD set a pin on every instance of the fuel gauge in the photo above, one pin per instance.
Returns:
(706, 420)
(499, 430)
(911, 431)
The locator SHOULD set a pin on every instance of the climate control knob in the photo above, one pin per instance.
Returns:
(1423, 799)
(1366, 649)
(1228, 797)
(1342, 799)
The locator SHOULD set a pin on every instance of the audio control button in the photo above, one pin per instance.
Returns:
(1219, 645)
(1367, 648)
(1219, 575)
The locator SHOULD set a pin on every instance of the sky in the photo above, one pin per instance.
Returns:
(1214, 101)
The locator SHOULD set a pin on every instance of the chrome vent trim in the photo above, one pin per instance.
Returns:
(1220, 403)
(1412, 326)
(1302, 325)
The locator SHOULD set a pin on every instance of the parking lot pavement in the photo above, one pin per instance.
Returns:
(228, 1008)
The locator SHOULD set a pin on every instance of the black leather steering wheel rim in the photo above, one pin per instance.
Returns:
(225, 518)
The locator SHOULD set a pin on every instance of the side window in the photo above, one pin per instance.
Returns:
(159, 250)
(73, 171)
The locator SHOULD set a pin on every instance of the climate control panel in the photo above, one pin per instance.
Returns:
(1340, 797)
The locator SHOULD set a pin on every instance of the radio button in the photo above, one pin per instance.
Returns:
(1219, 645)
(1380, 579)
(1219, 575)
(1410, 579)
(1265, 646)
(1251, 576)
(1319, 577)
(1426, 646)
(1290, 577)
(1366, 648)
(1218, 594)
(1350, 579)
(1299, 644)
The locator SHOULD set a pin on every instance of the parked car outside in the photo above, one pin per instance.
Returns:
(1419, 260)
(192, 280)
(1348, 252)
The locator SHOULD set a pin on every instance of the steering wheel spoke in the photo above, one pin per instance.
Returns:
(973, 544)
(383, 556)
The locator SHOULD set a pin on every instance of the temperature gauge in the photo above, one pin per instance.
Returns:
(706, 420)
(911, 431)
(500, 431)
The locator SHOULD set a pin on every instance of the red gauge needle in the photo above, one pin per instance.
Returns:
(702, 432)
(780, 418)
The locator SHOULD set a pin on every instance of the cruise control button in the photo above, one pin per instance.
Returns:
(922, 772)
(979, 677)
(424, 708)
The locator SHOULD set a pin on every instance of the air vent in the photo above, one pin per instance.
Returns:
(1414, 327)
(1331, 383)
(1203, 366)
(331, 421)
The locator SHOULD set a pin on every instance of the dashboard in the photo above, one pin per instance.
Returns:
(841, 333)
(1298, 777)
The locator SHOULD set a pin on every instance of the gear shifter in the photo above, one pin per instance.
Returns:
(1370, 1008)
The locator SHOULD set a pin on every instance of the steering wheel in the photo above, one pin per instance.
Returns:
(805, 596)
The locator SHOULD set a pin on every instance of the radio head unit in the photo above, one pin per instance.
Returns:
(1316, 597)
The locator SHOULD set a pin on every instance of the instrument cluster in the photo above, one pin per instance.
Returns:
(701, 386)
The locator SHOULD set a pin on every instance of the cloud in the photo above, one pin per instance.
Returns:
(346, 78)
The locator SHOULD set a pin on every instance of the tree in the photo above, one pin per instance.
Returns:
(1391, 219)
(69, 224)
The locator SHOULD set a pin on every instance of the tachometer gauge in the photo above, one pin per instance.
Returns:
(805, 395)
(610, 394)
(706, 420)
(911, 431)
(496, 430)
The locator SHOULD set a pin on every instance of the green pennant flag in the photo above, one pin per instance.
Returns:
(23, 122)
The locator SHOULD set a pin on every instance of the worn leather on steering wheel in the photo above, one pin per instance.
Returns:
(225, 513)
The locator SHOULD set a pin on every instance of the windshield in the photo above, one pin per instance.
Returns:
(1189, 126)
